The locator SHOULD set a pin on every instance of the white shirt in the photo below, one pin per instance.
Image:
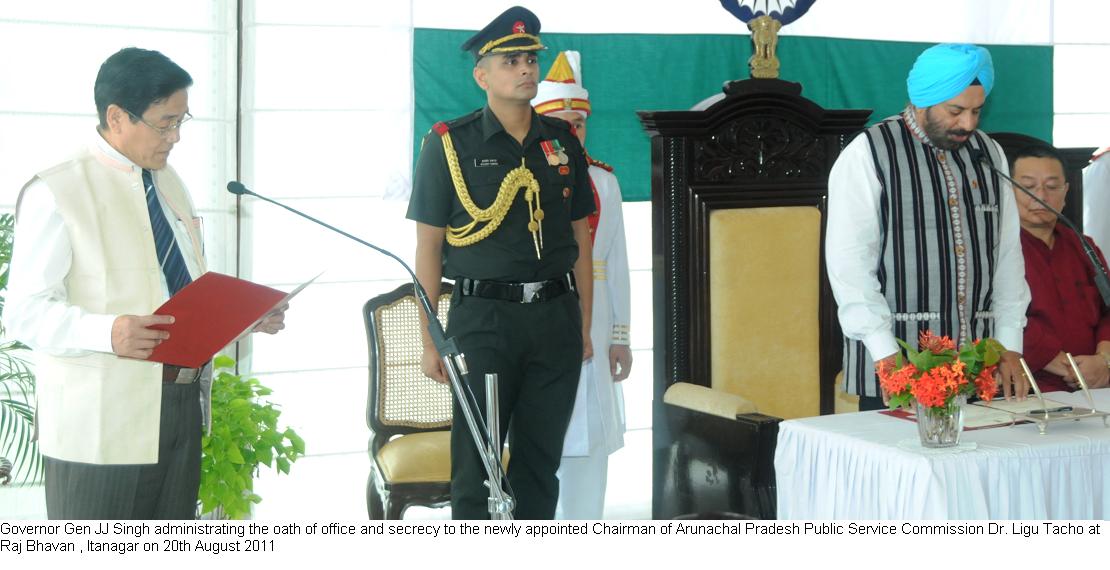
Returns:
(852, 256)
(1096, 200)
(37, 312)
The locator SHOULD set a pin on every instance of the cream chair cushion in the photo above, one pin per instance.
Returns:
(707, 400)
(423, 457)
(764, 300)
(417, 458)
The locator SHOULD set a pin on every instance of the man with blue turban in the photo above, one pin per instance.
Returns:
(921, 235)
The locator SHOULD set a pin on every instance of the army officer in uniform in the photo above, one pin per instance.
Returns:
(501, 197)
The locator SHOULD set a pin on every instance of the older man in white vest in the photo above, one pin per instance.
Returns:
(102, 239)
(597, 422)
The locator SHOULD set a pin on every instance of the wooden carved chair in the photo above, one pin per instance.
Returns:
(745, 327)
(409, 414)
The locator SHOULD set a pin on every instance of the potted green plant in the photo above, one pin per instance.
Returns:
(19, 452)
(245, 435)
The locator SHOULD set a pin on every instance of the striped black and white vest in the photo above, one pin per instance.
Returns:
(939, 218)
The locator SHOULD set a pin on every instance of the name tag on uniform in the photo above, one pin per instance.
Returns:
(483, 162)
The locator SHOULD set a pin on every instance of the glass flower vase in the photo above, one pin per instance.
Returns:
(941, 426)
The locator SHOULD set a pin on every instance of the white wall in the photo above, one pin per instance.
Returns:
(1081, 84)
(52, 52)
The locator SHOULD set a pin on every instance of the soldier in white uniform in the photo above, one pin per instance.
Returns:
(1096, 198)
(597, 424)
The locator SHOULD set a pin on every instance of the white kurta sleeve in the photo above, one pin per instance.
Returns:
(852, 250)
(620, 292)
(1011, 292)
(1096, 201)
(36, 311)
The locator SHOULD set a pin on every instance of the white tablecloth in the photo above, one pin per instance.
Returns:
(857, 466)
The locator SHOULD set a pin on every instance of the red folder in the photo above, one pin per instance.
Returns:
(211, 313)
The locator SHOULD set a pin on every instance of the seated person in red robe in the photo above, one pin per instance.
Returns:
(1066, 313)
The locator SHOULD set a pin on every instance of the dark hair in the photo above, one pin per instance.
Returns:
(135, 79)
(1039, 151)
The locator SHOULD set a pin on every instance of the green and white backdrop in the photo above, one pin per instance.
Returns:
(656, 56)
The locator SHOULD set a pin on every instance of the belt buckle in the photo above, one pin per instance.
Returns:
(181, 375)
(531, 292)
(184, 378)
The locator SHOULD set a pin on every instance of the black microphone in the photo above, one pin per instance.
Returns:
(1102, 281)
(439, 336)
(237, 188)
(447, 347)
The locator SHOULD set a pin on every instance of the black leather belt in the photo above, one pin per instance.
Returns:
(170, 373)
(537, 292)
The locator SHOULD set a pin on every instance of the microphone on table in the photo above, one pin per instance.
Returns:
(1102, 281)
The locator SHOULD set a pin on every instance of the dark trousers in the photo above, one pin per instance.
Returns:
(536, 351)
(166, 490)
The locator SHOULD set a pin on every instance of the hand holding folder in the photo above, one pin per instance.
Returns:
(212, 312)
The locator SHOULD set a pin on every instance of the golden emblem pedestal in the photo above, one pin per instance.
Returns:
(765, 38)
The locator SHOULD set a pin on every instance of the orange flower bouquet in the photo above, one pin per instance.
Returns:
(938, 379)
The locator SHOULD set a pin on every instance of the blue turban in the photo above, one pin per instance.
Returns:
(944, 71)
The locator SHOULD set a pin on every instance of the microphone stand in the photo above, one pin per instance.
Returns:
(1102, 281)
(500, 502)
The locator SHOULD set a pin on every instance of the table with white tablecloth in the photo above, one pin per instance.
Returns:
(867, 465)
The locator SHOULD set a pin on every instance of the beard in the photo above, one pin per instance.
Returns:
(940, 136)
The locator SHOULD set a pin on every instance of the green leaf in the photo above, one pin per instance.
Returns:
(265, 456)
(993, 353)
(227, 498)
(223, 361)
(226, 471)
(926, 360)
(901, 400)
(17, 389)
(295, 440)
(283, 465)
(234, 456)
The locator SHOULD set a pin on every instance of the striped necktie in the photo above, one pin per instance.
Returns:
(165, 245)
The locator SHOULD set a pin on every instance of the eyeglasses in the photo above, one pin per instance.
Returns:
(167, 130)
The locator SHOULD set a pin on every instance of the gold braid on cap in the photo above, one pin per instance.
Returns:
(517, 178)
(491, 46)
(564, 104)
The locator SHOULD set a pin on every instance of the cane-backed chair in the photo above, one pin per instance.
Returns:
(409, 414)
